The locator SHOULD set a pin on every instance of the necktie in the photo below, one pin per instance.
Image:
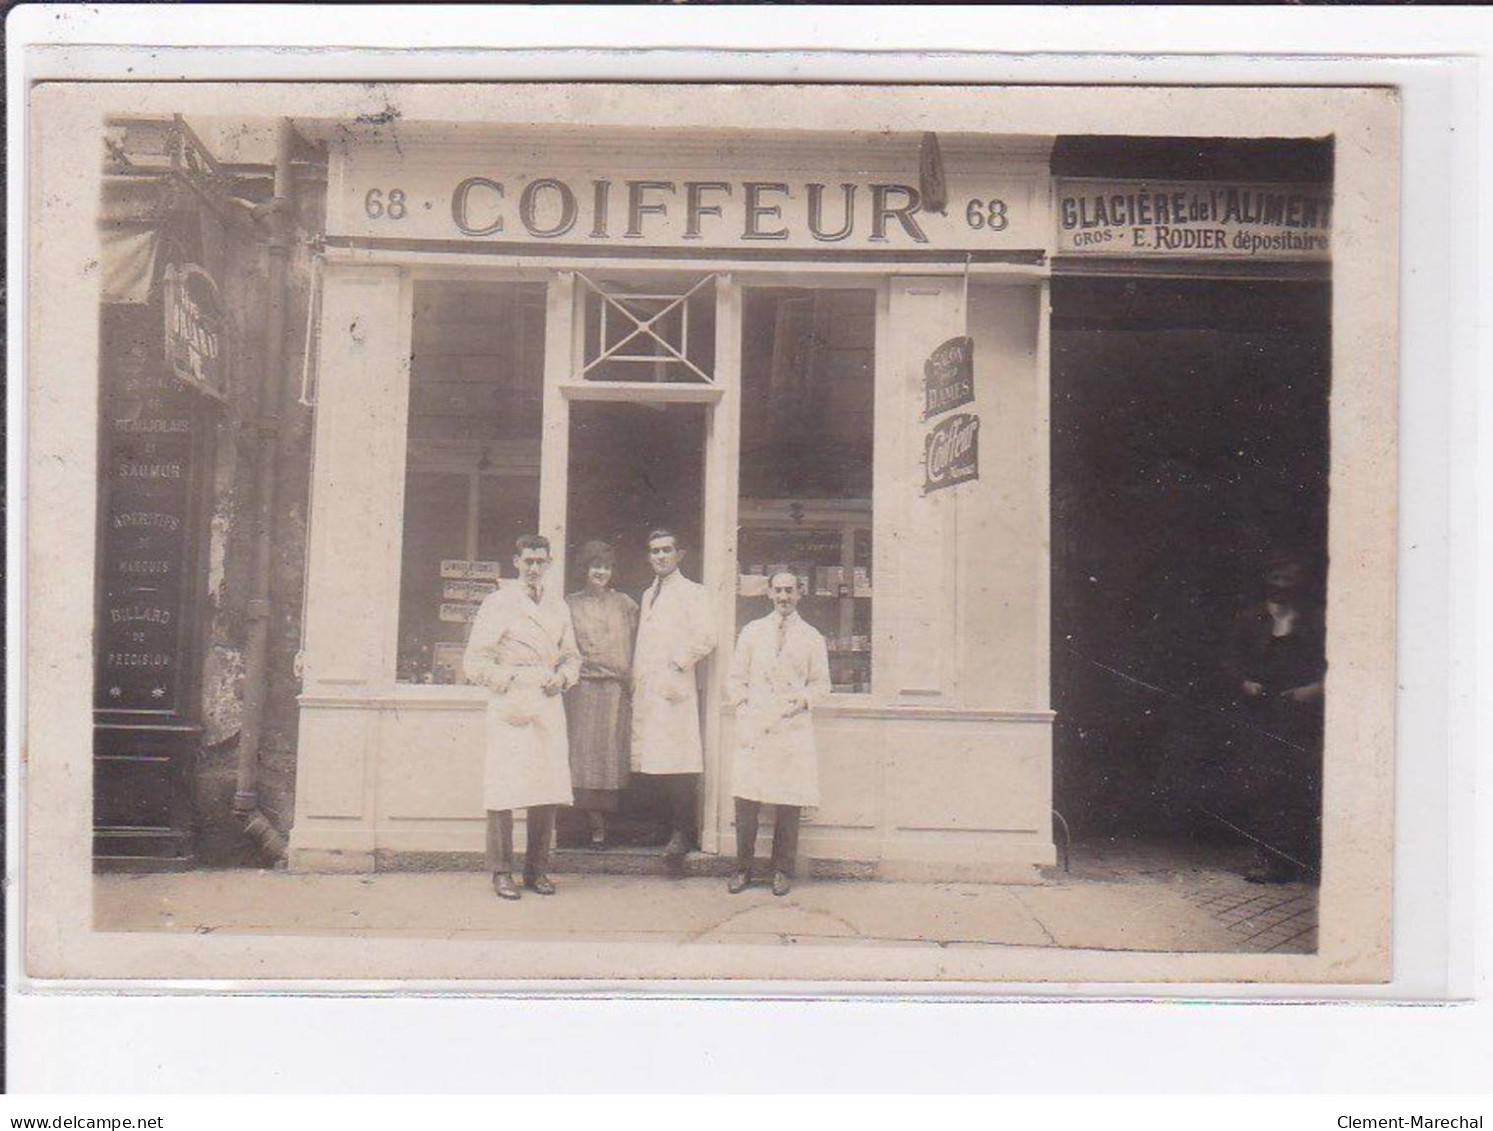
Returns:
(782, 633)
(653, 594)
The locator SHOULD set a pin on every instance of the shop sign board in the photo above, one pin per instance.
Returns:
(467, 590)
(454, 613)
(505, 198)
(1192, 219)
(462, 570)
(146, 534)
(949, 377)
(194, 328)
(951, 452)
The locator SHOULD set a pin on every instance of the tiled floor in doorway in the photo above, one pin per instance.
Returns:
(1277, 918)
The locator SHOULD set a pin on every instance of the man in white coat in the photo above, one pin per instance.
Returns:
(676, 630)
(522, 649)
(779, 672)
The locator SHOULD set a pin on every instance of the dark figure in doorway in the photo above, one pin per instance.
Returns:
(1276, 662)
(779, 672)
(675, 632)
(522, 649)
(596, 709)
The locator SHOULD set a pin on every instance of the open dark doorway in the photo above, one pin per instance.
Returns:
(1189, 446)
(633, 468)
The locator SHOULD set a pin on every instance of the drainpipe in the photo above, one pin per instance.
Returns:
(270, 453)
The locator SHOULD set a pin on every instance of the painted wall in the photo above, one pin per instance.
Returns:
(1002, 522)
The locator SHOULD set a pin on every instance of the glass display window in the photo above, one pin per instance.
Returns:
(807, 442)
(472, 476)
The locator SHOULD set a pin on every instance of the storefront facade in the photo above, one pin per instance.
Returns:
(737, 336)
(830, 353)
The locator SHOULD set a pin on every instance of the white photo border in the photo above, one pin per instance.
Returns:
(1435, 914)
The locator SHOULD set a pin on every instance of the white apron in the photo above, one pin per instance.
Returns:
(675, 632)
(776, 760)
(515, 645)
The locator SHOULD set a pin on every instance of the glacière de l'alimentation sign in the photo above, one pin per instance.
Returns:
(1193, 219)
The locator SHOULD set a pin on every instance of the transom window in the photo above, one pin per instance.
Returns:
(659, 329)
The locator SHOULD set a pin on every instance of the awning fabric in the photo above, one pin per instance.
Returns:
(129, 262)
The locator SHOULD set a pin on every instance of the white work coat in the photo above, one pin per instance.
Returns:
(676, 630)
(774, 690)
(516, 644)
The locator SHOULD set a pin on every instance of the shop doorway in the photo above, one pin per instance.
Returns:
(1189, 446)
(634, 467)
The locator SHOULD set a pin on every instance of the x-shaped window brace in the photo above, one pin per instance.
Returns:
(643, 326)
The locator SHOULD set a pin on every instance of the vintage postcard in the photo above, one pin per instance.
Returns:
(854, 536)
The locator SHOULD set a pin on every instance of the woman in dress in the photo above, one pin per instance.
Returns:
(596, 708)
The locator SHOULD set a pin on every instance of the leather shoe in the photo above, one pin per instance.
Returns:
(539, 884)
(1273, 872)
(502, 885)
(738, 883)
(781, 885)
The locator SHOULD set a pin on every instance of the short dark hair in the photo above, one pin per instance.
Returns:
(531, 542)
(597, 551)
(664, 532)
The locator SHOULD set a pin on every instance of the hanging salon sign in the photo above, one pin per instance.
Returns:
(194, 328)
(539, 198)
(951, 449)
(951, 452)
(949, 377)
(1192, 219)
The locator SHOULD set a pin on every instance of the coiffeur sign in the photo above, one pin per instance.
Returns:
(1193, 219)
(951, 450)
(505, 201)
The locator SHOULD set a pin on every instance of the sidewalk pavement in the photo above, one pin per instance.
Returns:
(1116, 897)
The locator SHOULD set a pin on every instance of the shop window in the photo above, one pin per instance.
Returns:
(807, 397)
(658, 330)
(472, 476)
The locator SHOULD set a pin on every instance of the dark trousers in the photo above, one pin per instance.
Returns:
(500, 840)
(1284, 786)
(784, 835)
(1288, 815)
(680, 791)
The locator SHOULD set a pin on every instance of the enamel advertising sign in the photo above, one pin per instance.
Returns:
(951, 453)
(949, 377)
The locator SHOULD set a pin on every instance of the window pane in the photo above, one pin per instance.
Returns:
(654, 328)
(808, 393)
(472, 481)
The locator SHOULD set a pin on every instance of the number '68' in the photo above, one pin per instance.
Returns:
(986, 214)
(393, 206)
